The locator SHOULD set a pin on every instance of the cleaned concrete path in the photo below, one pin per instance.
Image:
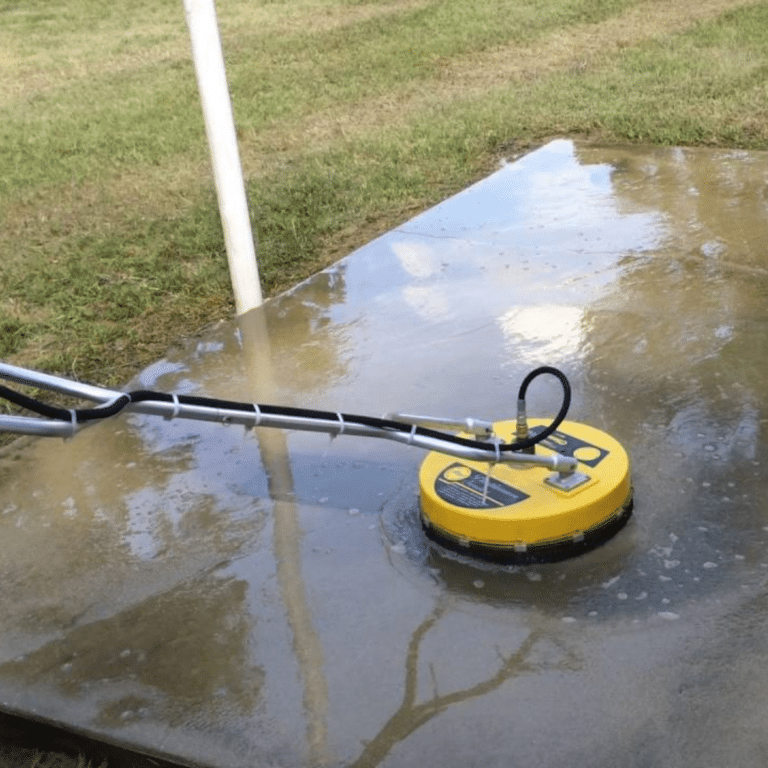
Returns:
(243, 599)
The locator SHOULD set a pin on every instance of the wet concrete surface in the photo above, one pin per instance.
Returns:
(263, 598)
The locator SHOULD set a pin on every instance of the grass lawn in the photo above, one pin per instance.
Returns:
(352, 115)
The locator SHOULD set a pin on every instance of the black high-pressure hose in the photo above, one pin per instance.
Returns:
(82, 415)
(544, 434)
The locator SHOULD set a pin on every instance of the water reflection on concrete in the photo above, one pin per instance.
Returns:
(260, 598)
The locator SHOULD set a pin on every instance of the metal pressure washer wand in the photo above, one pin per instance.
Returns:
(68, 422)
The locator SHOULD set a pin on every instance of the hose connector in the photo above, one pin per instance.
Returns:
(521, 431)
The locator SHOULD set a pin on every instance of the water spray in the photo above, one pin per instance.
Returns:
(515, 491)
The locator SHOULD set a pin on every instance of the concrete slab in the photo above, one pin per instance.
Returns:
(262, 599)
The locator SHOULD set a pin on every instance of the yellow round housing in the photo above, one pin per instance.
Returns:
(515, 512)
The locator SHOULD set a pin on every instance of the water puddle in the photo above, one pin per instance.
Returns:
(239, 597)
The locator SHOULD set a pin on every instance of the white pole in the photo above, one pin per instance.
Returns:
(222, 141)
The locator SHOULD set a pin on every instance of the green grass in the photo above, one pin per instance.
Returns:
(352, 116)
(75, 133)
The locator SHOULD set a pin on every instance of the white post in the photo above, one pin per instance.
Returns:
(222, 141)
